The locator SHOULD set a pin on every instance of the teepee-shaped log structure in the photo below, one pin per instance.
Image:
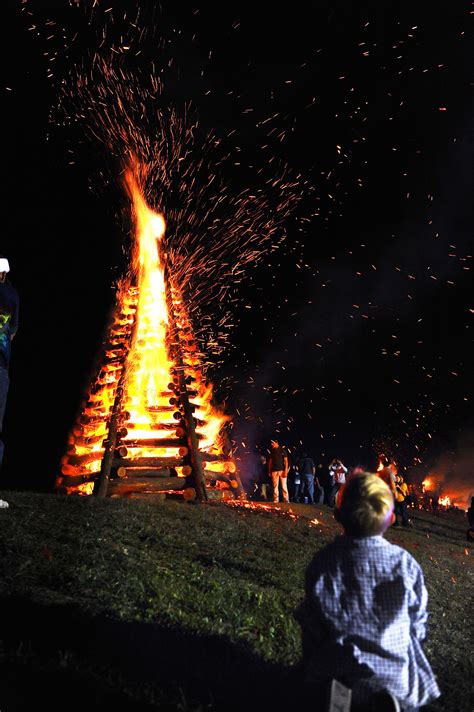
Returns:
(148, 424)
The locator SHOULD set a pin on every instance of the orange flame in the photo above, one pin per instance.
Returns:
(148, 365)
(148, 399)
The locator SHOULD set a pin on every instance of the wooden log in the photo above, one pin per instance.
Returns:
(148, 462)
(218, 476)
(76, 460)
(115, 345)
(161, 409)
(86, 441)
(150, 428)
(150, 484)
(75, 480)
(208, 457)
(103, 385)
(87, 419)
(143, 472)
(123, 451)
(74, 470)
(153, 442)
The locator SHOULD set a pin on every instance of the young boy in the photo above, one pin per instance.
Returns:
(364, 615)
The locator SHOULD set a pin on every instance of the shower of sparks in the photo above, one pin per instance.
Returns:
(117, 91)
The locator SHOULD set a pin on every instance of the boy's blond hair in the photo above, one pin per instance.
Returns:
(365, 506)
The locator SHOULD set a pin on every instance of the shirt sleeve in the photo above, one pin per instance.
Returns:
(418, 604)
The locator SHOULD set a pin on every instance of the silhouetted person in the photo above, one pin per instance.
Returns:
(401, 494)
(9, 305)
(337, 476)
(278, 470)
(307, 471)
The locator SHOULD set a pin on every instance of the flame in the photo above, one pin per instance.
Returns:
(148, 364)
(141, 342)
(445, 501)
(428, 484)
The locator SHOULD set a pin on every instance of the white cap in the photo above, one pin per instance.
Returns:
(4, 265)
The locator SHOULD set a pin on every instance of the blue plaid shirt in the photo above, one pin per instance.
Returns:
(365, 616)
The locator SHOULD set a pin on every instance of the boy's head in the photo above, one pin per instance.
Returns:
(365, 506)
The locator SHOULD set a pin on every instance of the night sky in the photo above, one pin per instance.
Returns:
(349, 332)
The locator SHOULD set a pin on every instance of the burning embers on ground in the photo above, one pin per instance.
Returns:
(149, 424)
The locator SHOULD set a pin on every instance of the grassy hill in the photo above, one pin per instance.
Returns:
(151, 605)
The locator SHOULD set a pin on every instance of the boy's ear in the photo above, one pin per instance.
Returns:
(393, 518)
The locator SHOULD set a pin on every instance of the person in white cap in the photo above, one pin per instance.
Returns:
(9, 304)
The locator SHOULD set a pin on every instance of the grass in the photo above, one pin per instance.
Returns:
(169, 605)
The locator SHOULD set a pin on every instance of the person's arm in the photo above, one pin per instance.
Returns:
(285, 465)
(418, 602)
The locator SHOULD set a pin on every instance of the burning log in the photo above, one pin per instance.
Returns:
(161, 409)
(87, 419)
(210, 457)
(148, 462)
(85, 459)
(143, 472)
(150, 484)
(84, 441)
(153, 442)
(75, 480)
(179, 432)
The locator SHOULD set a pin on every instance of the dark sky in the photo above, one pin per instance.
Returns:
(351, 337)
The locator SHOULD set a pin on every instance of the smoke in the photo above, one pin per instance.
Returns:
(453, 471)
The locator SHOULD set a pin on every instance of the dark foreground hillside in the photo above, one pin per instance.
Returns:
(146, 605)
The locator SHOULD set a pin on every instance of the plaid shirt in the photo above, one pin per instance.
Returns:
(365, 615)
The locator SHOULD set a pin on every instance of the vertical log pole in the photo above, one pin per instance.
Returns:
(193, 444)
(102, 482)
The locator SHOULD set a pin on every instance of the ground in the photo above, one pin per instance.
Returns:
(164, 605)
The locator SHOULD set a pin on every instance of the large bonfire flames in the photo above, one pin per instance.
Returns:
(152, 367)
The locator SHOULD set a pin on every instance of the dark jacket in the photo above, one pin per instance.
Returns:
(9, 308)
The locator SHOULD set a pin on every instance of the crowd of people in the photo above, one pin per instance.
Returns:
(300, 480)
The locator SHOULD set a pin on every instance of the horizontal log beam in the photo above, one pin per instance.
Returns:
(153, 442)
(84, 459)
(148, 462)
(218, 476)
(161, 408)
(208, 457)
(150, 484)
(141, 472)
(75, 480)
(150, 428)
